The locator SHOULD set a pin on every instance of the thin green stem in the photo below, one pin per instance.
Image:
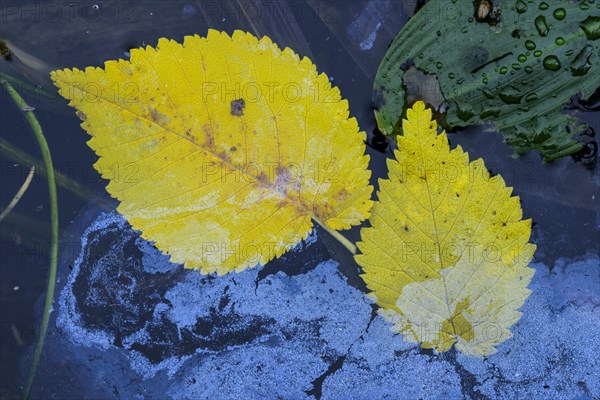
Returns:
(43, 145)
(29, 88)
(338, 236)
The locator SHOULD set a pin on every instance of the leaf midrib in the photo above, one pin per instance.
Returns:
(270, 186)
(437, 239)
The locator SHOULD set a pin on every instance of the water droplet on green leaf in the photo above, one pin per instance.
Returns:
(560, 13)
(529, 45)
(522, 58)
(510, 95)
(521, 7)
(551, 63)
(531, 97)
(559, 41)
(541, 26)
(537, 53)
(581, 64)
(528, 69)
(489, 113)
(591, 27)
(543, 5)
(465, 113)
(503, 70)
(488, 93)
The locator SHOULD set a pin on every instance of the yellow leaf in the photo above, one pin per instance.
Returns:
(222, 150)
(447, 255)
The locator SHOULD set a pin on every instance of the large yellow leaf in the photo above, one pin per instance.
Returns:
(447, 255)
(222, 150)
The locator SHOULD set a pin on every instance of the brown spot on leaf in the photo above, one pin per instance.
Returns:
(224, 156)
(263, 178)
(81, 115)
(282, 203)
(209, 136)
(319, 213)
(158, 117)
(237, 107)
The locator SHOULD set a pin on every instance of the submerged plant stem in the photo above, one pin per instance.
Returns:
(13, 203)
(43, 145)
(64, 181)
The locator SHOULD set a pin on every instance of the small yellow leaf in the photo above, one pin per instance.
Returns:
(447, 254)
(222, 149)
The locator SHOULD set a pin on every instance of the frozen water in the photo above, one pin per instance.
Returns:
(131, 325)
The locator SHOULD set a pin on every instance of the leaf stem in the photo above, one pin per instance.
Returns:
(340, 238)
(46, 157)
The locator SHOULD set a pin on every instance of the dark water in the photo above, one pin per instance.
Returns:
(345, 39)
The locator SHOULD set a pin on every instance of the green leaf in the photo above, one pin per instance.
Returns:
(516, 68)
